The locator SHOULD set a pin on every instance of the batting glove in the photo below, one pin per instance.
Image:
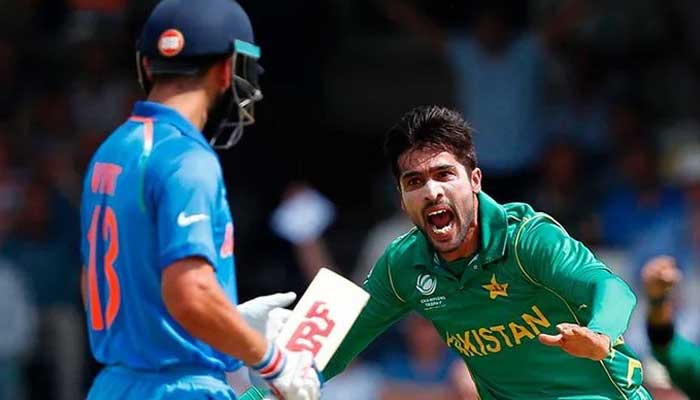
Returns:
(266, 314)
(290, 375)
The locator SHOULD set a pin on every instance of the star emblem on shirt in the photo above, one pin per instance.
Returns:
(496, 289)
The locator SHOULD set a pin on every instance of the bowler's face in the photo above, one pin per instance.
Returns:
(439, 195)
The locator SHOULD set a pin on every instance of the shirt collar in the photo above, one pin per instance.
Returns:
(493, 227)
(168, 115)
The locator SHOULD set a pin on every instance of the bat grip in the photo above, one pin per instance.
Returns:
(254, 393)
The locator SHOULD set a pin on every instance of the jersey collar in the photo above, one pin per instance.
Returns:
(494, 229)
(168, 115)
(494, 235)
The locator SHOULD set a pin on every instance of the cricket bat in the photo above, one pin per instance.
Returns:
(321, 319)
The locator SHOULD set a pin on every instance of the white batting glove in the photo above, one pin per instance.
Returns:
(266, 314)
(291, 375)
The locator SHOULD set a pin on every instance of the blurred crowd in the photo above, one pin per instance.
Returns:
(584, 108)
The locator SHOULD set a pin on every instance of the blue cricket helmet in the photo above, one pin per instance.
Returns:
(181, 37)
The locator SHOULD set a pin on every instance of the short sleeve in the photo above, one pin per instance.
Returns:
(184, 198)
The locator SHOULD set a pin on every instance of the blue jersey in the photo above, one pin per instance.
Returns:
(153, 194)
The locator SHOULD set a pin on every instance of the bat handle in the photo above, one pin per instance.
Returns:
(254, 393)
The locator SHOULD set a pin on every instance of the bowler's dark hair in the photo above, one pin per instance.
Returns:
(431, 127)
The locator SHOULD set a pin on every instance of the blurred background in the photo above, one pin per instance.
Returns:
(587, 109)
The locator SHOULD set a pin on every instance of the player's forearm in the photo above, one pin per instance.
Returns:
(383, 308)
(369, 324)
(612, 303)
(373, 320)
(682, 360)
(196, 302)
(352, 345)
(216, 322)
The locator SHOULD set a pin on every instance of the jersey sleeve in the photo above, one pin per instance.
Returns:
(383, 309)
(682, 360)
(184, 195)
(552, 259)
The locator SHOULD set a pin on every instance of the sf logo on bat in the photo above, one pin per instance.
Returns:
(311, 332)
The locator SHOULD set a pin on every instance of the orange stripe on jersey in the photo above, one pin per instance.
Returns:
(147, 131)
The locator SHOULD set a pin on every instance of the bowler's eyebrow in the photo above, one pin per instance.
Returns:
(409, 174)
(441, 167)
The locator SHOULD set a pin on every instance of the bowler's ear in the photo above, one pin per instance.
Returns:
(476, 180)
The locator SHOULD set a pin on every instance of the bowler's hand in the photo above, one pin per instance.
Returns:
(579, 341)
(660, 276)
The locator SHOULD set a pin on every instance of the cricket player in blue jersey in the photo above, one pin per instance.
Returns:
(157, 235)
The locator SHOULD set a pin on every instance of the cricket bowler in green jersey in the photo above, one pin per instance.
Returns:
(531, 310)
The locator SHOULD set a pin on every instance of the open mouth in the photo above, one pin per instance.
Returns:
(440, 220)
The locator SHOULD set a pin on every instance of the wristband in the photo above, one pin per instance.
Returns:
(272, 363)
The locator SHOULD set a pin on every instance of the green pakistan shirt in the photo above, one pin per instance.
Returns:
(528, 276)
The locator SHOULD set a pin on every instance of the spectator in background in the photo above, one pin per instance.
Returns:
(676, 353)
(638, 203)
(563, 192)
(42, 248)
(9, 80)
(668, 223)
(301, 218)
(581, 108)
(17, 330)
(10, 186)
(424, 370)
(50, 119)
(100, 97)
(383, 232)
(500, 74)
(679, 237)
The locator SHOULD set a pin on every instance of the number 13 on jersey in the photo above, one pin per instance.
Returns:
(103, 233)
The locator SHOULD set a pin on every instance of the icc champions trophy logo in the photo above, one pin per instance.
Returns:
(426, 284)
